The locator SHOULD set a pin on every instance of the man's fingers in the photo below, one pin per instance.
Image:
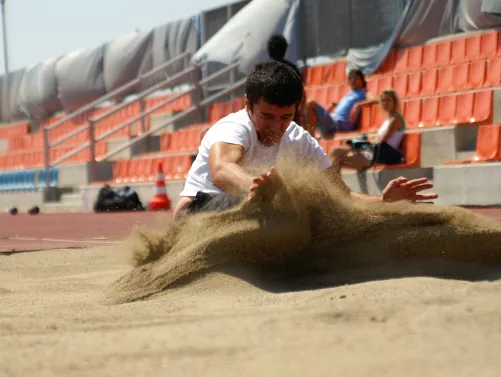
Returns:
(426, 197)
(422, 187)
(416, 182)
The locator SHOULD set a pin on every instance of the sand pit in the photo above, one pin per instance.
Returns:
(311, 235)
(192, 310)
(52, 323)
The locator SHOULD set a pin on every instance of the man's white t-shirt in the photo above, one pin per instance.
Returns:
(237, 129)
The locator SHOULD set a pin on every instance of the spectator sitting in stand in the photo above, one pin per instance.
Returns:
(342, 116)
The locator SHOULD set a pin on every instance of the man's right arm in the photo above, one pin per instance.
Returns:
(225, 167)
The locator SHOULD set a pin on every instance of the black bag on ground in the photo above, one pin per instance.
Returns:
(108, 200)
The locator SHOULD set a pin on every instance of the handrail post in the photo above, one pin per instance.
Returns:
(92, 148)
(46, 158)
(196, 94)
(142, 109)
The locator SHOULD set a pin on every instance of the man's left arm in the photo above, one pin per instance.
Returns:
(337, 181)
(396, 190)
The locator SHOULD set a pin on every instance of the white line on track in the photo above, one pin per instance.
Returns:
(57, 240)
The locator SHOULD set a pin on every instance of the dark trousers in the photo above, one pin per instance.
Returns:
(204, 202)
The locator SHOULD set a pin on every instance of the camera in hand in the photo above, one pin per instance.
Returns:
(360, 144)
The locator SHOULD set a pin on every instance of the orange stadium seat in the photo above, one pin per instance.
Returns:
(333, 93)
(377, 116)
(366, 124)
(458, 50)
(412, 113)
(414, 84)
(464, 108)
(429, 115)
(400, 82)
(445, 80)
(447, 110)
(473, 47)
(476, 76)
(429, 56)
(384, 83)
(489, 44)
(482, 107)
(429, 82)
(415, 58)
(493, 78)
(443, 57)
(460, 76)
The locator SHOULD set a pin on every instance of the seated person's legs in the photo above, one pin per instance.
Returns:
(346, 158)
(318, 117)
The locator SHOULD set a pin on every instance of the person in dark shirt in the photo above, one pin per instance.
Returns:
(277, 47)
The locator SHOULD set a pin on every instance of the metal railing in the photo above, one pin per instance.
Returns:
(194, 88)
(124, 89)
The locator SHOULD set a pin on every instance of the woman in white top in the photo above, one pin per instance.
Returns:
(384, 148)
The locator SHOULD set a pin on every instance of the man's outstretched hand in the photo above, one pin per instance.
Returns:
(269, 183)
(409, 190)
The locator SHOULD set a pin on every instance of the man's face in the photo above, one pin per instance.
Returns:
(355, 82)
(270, 121)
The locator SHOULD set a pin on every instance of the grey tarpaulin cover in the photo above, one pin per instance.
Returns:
(370, 58)
(10, 96)
(423, 20)
(168, 41)
(244, 36)
(125, 58)
(492, 6)
(474, 17)
(80, 77)
(38, 91)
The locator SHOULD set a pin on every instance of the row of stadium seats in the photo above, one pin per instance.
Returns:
(20, 139)
(144, 169)
(14, 130)
(185, 140)
(32, 158)
(469, 48)
(451, 79)
(465, 108)
(23, 180)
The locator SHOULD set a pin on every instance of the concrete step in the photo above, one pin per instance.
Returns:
(61, 207)
(464, 155)
(74, 198)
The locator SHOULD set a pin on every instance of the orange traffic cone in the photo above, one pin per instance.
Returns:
(160, 200)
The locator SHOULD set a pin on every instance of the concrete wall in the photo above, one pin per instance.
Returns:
(465, 185)
(21, 200)
(373, 182)
(146, 145)
(446, 143)
(80, 174)
(469, 185)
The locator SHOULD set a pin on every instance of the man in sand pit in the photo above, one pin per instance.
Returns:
(255, 137)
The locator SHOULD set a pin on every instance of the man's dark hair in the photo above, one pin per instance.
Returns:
(274, 82)
(277, 47)
(358, 74)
